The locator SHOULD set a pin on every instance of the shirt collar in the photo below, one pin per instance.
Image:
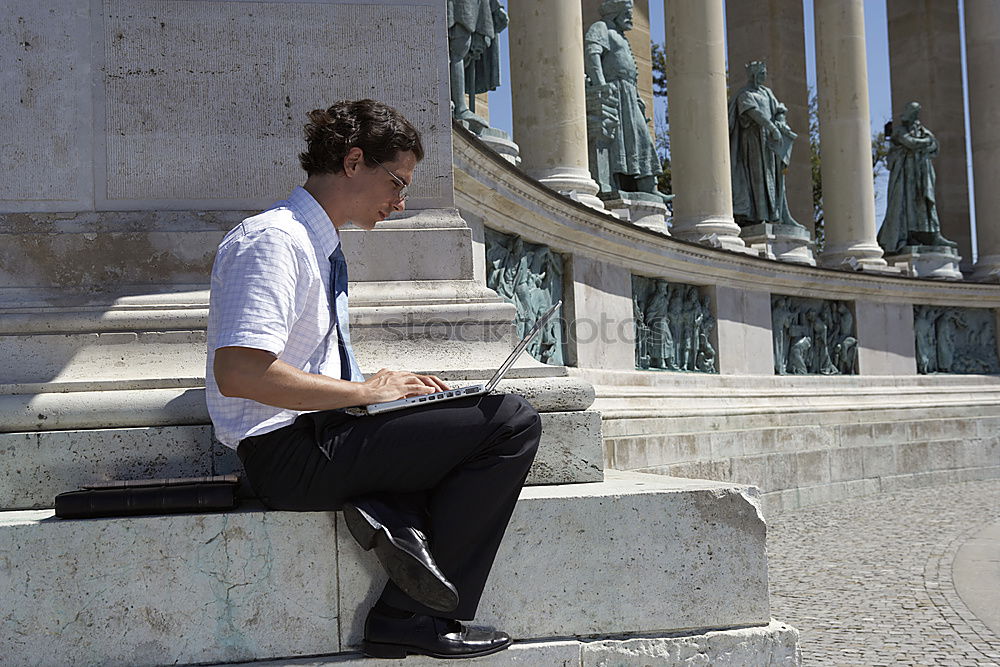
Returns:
(309, 211)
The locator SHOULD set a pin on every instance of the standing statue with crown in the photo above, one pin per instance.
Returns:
(760, 143)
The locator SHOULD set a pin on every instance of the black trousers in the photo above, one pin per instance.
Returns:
(454, 470)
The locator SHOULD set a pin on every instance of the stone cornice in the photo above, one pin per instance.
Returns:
(508, 200)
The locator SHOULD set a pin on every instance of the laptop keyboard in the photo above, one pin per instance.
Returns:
(444, 394)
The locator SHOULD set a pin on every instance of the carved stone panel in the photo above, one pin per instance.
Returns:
(955, 340)
(813, 336)
(531, 277)
(674, 327)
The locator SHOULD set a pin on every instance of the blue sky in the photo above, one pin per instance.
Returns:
(879, 91)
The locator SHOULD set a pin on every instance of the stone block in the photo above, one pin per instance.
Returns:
(846, 463)
(735, 443)
(775, 644)
(588, 559)
(885, 338)
(943, 454)
(47, 157)
(891, 432)
(879, 461)
(813, 467)
(750, 470)
(570, 449)
(822, 493)
(782, 471)
(167, 589)
(911, 457)
(34, 467)
(744, 331)
(979, 452)
(855, 435)
(600, 308)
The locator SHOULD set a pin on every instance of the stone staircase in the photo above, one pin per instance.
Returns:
(631, 569)
(802, 440)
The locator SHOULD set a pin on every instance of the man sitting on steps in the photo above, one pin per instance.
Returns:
(430, 489)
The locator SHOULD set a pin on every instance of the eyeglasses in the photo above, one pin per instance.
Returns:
(403, 187)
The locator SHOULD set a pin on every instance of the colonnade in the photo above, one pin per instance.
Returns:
(549, 116)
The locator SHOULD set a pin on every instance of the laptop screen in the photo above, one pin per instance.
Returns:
(532, 332)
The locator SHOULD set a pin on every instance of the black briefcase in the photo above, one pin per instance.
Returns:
(150, 496)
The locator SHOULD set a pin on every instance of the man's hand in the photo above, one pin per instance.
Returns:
(389, 385)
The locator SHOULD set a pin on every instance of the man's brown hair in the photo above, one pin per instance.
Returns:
(377, 129)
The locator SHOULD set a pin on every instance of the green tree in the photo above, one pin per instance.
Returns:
(661, 123)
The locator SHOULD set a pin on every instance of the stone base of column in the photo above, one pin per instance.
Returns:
(784, 243)
(856, 256)
(925, 261)
(987, 269)
(500, 142)
(641, 209)
(711, 231)
(574, 182)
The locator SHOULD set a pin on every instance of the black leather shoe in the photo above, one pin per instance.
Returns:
(402, 551)
(388, 637)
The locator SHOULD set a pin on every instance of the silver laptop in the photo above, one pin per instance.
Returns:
(471, 390)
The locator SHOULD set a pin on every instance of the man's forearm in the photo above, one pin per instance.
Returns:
(258, 376)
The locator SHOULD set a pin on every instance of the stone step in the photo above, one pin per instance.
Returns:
(775, 644)
(636, 554)
(36, 466)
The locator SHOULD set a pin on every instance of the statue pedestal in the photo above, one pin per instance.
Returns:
(928, 261)
(785, 243)
(642, 209)
(496, 139)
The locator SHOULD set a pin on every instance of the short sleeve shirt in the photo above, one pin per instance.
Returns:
(271, 291)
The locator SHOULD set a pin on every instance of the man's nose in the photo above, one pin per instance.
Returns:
(400, 205)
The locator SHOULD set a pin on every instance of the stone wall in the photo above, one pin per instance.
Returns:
(801, 439)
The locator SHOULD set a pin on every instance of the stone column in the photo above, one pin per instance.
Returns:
(774, 32)
(982, 48)
(925, 62)
(845, 135)
(699, 125)
(547, 95)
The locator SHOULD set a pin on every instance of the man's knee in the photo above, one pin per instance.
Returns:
(520, 416)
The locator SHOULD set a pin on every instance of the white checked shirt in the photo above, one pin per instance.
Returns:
(271, 291)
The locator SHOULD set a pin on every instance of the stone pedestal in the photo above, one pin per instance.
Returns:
(641, 209)
(498, 140)
(928, 261)
(785, 243)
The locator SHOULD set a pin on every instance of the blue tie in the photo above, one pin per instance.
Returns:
(338, 283)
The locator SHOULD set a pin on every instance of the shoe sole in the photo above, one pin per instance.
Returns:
(405, 570)
(380, 650)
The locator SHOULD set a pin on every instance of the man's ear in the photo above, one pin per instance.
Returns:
(353, 160)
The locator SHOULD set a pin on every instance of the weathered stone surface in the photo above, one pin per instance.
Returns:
(636, 553)
(773, 644)
(34, 467)
(155, 590)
